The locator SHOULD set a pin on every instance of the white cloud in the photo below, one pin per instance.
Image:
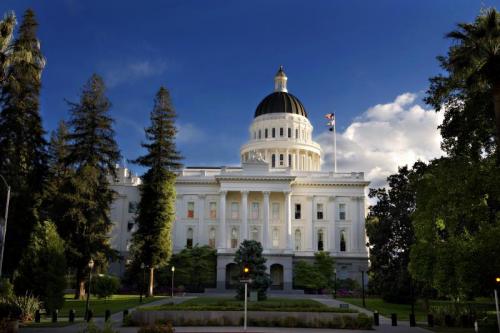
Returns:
(189, 133)
(119, 73)
(384, 137)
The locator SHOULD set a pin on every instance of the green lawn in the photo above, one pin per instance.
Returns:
(402, 310)
(231, 304)
(116, 303)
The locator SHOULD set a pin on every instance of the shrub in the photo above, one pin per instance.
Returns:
(92, 328)
(105, 285)
(167, 328)
(26, 305)
(6, 289)
(9, 311)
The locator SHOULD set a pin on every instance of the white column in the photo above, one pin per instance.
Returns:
(286, 159)
(309, 236)
(265, 228)
(353, 217)
(244, 215)
(288, 220)
(222, 217)
(361, 224)
(332, 213)
(202, 232)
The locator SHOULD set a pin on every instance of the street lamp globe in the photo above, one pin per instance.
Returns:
(173, 268)
(91, 263)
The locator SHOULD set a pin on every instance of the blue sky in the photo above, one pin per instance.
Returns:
(218, 59)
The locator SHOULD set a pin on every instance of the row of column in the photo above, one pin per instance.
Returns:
(357, 228)
(223, 240)
(301, 159)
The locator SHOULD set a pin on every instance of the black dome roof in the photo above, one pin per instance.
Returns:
(279, 102)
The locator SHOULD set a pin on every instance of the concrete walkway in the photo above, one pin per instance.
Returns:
(116, 319)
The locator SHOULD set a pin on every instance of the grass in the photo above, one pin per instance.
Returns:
(115, 303)
(231, 304)
(402, 310)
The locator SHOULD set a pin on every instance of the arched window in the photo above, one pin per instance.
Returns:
(234, 238)
(189, 238)
(342, 241)
(298, 240)
(320, 240)
(211, 237)
(273, 161)
(255, 234)
(276, 240)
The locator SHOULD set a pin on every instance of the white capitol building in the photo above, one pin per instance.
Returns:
(279, 197)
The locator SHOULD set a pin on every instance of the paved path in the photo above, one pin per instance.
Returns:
(116, 319)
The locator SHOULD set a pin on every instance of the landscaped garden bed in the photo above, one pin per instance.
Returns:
(279, 312)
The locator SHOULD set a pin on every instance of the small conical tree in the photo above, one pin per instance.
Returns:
(86, 196)
(42, 270)
(250, 254)
(152, 242)
(23, 156)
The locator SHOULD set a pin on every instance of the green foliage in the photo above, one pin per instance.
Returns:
(22, 143)
(158, 328)
(91, 327)
(27, 304)
(7, 25)
(317, 276)
(105, 285)
(250, 253)
(390, 232)
(195, 268)
(83, 199)
(152, 242)
(43, 267)
(6, 288)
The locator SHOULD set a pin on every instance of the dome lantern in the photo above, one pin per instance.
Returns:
(280, 81)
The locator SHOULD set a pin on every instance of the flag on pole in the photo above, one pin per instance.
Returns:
(331, 121)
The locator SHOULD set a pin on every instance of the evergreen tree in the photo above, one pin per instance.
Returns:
(22, 144)
(152, 242)
(250, 254)
(42, 270)
(7, 25)
(86, 196)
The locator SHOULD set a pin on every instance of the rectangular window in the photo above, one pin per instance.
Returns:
(282, 162)
(276, 211)
(319, 211)
(281, 131)
(296, 133)
(289, 132)
(190, 210)
(290, 160)
(132, 207)
(235, 210)
(265, 133)
(342, 212)
(297, 211)
(255, 210)
(273, 161)
(260, 134)
(274, 132)
(213, 210)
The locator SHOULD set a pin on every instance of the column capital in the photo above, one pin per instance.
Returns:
(223, 192)
(202, 196)
(332, 197)
(287, 193)
(245, 192)
(309, 197)
(179, 196)
(266, 193)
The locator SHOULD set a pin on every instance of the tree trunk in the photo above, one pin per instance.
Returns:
(151, 282)
(496, 103)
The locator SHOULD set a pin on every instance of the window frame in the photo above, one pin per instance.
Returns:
(339, 215)
(190, 213)
(235, 212)
(212, 213)
(320, 213)
(298, 212)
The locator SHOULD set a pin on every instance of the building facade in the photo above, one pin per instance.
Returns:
(279, 197)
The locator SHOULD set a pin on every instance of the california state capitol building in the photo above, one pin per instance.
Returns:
(279, 196)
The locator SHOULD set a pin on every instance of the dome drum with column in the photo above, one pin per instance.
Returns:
(281, 132)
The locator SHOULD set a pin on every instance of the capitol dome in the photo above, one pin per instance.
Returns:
(280, 101)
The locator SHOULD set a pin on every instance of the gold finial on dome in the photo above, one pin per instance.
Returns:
(280, 80)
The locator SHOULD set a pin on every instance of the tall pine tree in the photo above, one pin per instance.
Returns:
(22, 144)
(152, 242)
(86, 197)
(7, 25)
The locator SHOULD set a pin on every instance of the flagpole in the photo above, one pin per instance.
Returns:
(335, 147)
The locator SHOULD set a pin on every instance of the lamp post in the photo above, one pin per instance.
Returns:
(173, 272)
(91, 265)
(335, 282)
(4, 227)
(497, 280)
(143, 284)
(363, 287)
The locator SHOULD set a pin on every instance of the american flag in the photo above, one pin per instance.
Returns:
(331, 121)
